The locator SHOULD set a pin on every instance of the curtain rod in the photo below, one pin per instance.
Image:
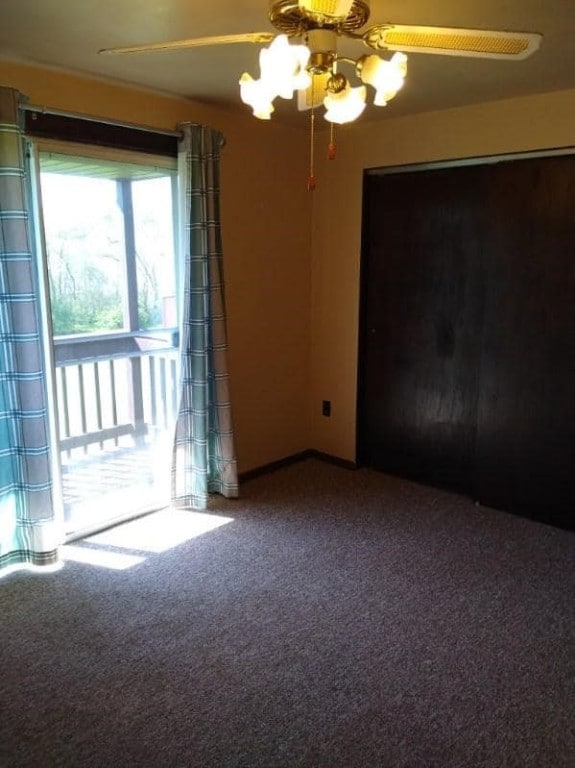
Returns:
(93, 119)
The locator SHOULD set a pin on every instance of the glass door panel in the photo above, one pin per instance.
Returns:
(108, 229)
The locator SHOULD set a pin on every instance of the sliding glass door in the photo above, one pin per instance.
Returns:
(108, 230)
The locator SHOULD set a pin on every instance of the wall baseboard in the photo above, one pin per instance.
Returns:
(345, 463)
(310, 453)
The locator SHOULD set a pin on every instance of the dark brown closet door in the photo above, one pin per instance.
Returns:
(422, 278)
(525, 452)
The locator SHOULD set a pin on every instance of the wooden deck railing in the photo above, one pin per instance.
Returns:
(114, 385)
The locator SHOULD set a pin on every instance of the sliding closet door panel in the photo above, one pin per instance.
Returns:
(422, 308)
(467, 361)
(526, 417)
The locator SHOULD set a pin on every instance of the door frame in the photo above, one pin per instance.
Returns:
(130, 343)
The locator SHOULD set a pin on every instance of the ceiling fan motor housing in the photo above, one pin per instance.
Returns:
(323, 46)
(293, 20)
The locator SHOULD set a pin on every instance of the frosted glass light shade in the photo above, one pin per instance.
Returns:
(345, 106)
(387, 77)
(282, 66)
(257, 95)
(282, 71)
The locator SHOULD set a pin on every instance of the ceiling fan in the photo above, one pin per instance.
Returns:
(312, 66)
(312, 69)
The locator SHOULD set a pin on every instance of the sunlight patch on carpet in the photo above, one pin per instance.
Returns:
(102, 558)
(160, 531)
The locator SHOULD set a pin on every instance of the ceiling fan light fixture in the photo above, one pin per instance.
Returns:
(346, 105)
(283, 67)
(386, 77)
(257, 95)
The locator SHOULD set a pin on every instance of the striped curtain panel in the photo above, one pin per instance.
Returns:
(28, 532)
(204, 459)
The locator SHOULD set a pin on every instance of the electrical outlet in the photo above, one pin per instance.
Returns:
(326, 407)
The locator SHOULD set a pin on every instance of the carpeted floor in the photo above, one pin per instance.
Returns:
(337, 619)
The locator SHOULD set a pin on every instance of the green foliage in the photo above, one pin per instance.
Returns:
(85, 312)
(95, 306)
(148, 316)
(87, 262)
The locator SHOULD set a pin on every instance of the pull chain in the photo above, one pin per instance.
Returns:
(331, 146)
(311, 179)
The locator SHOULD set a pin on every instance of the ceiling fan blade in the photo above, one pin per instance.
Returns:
(193, 42)
(452, 41)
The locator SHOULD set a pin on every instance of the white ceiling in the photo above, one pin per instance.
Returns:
(68, 34)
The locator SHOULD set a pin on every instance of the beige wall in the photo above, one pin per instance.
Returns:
(538, 122)
(267, 263)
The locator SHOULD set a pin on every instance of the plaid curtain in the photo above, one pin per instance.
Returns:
(203, 457)
(28, 531)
